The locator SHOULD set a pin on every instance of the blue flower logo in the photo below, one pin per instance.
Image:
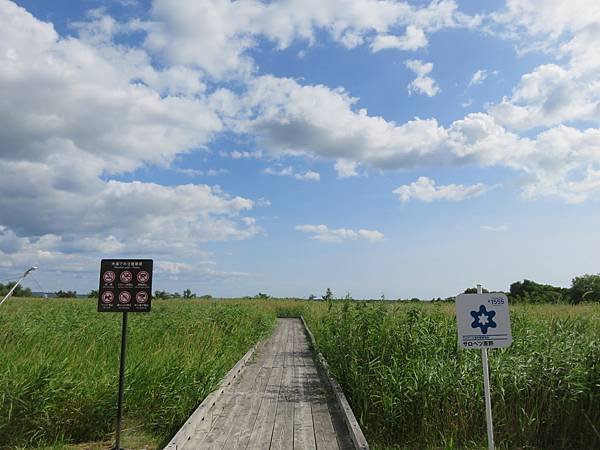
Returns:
(483, 319)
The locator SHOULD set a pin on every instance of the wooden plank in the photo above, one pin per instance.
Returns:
(263, 426)
(304, 434)
(202, 429)
(252, 395)
(283, 429)
(240, 436)
(325, 435)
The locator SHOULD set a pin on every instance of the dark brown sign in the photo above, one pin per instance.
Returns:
(125, 285)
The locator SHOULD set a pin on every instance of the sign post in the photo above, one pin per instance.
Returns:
(125, 286)
(477, 315)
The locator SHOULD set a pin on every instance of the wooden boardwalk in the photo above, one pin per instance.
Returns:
(279, 401)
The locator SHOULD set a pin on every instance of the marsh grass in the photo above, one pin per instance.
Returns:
(399, 365)
(59, 365)
(411, 387)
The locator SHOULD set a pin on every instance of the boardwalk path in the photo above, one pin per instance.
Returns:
(278, 402)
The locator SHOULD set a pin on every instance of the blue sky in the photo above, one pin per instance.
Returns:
(373, 147)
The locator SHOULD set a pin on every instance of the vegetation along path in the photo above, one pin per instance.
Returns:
(278, 402)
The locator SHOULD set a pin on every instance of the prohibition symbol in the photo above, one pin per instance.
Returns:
(141, 297)
(124, 297)
(143, 276)
(109, 276)
(107, 297)
(126, 276)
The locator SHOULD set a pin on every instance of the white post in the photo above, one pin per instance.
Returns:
(486, 389)
(17, 283)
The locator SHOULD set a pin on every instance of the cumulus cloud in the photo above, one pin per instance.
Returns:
(425, 189)
(289, 171)
(215, 35)
(413, 39)
(288, 118)
(547, 96)
(553, 93)
(325, 234)
(423, 84)
(76, 112)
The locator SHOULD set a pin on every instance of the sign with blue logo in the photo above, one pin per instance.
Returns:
(483, 321)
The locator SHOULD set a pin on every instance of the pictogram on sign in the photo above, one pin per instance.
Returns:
(107, 297)
(141, 297)
(143, 276)
(109, 276)
(124, 297)
(126, 276)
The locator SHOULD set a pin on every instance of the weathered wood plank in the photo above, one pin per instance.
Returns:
(283, 429)
(325, 435)
(263, 427)
(304, 434)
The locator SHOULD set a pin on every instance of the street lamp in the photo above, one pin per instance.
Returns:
(27, 272)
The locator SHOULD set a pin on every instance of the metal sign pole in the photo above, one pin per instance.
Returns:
(486, 389)
(121, 381)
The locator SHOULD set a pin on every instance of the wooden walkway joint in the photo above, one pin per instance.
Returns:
(274, 398)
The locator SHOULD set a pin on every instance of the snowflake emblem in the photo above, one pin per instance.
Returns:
(483, 319)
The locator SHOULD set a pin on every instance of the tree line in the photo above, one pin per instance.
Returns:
(584, 288)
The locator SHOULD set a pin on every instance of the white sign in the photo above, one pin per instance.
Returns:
(483, 321)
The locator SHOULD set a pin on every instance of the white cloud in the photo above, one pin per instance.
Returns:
(425, 189)
(494, 228)
(550, 95)
(288, 118)
(76, 111)
(480, 76)
(413, 39)
(423, 84)
(289, 171)
(236, 154)
(215, 35)
(553, 93)
(326, 234)
(345, 168)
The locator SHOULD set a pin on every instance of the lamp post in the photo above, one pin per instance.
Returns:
(31, 269)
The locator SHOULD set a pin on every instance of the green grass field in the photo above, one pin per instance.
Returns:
(59, 364)
(408, 383)
(411, 387)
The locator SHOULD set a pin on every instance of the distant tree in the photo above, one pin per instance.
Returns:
(312, 297)
(205, 297)
(328, 295)
(93, 294)
(66, 294)
(162, 295)
(175, 295)
(348, 296)
(585, 288)
(19, 291)
(262, 296)
(188, 294)
(528, 291)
